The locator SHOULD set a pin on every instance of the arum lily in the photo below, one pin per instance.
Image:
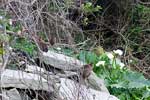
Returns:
(110, 55)
(58, 48)
(100, 63)
(10, 21)
(122, 65)
(118, 51)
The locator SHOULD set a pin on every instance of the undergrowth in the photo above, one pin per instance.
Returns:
(121, 81)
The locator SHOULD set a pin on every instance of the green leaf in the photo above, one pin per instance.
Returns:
(82, 56)
(4, 37)
(136, 80)
(121, 84)
(25, 45)
(1, 51)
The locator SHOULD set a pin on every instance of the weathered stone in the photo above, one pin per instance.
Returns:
(96, 83)
(12, 94)
(24, 95)
(61, 61)
(34, 69)
(23, 80)
(70, 90)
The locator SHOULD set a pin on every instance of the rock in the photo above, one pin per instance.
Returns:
(12, 94)
(23, 80)
(70, 90)
(93, 81)
(61, 61)
(45, 74)
(34, 69)
(96, 83)
(24, 95)
(67, 74)
(3, 96)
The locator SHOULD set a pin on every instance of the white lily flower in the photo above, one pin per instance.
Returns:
(118, 51)
(1, 17)
(10, 21)
(118, 61)
(10, 48)
(58, 48)
(130, 61)
(100, 63)
(110, 55)
(122, 65)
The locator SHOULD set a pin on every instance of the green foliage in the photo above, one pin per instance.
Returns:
(89, 8)
(131, 94)
(122, 82)
(62, 5)
(87, 56)
(52, 7)
(143, 11)
(25, 45)
(6, 23)
(135, 80)
(21, 43)
(4, 38)
(140, 14)
(1, 51)
(68, 3)
(137, 33)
